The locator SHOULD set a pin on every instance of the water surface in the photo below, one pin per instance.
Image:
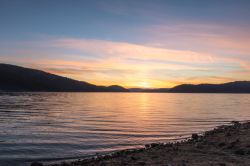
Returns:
(45, 126)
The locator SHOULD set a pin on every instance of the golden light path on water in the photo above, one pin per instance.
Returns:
(45, 126)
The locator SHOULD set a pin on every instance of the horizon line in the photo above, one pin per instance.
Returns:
(135, 87)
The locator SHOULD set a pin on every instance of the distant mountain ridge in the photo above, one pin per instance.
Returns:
(154, 90)
(231, 87)
(15, 78)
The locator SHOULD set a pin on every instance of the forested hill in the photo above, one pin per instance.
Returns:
(15, 78)
(231, 87)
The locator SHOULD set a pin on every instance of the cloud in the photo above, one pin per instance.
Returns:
(116, 50)
(223, 40)
(108, 62)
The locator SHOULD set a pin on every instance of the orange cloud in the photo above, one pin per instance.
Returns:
(106, 62)
(113, 50)
(230, 40)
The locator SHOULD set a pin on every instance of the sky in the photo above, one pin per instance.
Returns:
(132, 43)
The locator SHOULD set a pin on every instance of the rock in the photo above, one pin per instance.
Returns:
(147, 146)
(168, 145)
(182, 164)
(154, 157)
(235, 122)
(102, 164)
(36, 164)
(142, 163)
(228, 134)
(175, 148)
(198, 145)
(123, 163)
(240, 152)
(106, 157)
(221, 144)
(140, 150)
(65, 164)
(153, 145)
(233, 144)
(248, 152)
(195, 136)
(221, 164)
(133, 158)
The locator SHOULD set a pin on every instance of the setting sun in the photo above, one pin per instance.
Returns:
(124, 82)
(144, 85)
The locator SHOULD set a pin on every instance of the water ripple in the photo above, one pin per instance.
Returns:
(55, 126)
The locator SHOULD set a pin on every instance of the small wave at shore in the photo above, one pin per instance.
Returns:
(48, 126)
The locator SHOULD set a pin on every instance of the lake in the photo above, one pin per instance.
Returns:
(57, 126)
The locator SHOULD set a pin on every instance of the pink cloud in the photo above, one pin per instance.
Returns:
(109, 49)
(209, 38)
(111, 65)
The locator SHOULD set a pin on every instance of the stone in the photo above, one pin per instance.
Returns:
(36, 164)
(221, 144)
(142, 163)
(240, 152)
(195, 136)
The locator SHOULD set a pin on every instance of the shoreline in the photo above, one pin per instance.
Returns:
(222, 146)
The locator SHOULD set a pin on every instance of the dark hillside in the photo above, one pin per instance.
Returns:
(15, 78)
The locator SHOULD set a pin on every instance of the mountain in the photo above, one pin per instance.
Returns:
(15, 78)
(231, 87)
(118, 88)
(159, 90)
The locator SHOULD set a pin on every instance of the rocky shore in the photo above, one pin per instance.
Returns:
(227, 145)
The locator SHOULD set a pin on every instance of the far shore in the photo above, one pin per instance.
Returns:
(226, 145)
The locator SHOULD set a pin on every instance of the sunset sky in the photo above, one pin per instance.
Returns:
(133, 43)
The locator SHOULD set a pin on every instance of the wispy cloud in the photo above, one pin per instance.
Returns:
(225, 40)
(109, 62)
(115, 50)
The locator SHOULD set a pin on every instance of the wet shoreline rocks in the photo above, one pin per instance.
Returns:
(226, 145)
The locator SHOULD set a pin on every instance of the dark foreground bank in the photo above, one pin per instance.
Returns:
(226, 145)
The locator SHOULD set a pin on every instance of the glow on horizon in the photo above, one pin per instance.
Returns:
(127, 64)
(129, 43)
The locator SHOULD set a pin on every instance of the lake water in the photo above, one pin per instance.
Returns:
(45, 126)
